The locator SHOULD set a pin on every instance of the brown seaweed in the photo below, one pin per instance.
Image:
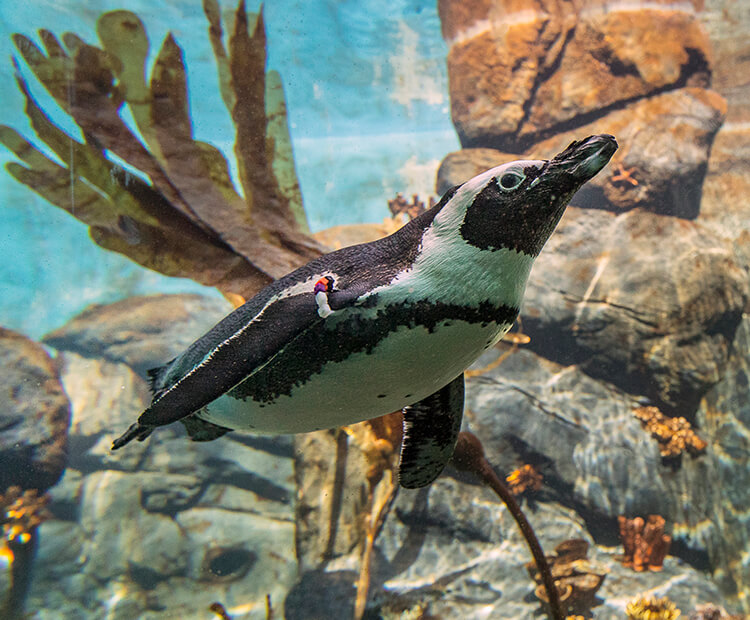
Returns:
(179, 213)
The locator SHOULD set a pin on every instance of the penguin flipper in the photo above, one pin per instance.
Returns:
(202, 430)
(431, 429)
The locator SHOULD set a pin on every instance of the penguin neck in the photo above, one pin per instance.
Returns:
(447, 269)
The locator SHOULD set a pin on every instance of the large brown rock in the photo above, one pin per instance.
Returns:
(665, 143)
(34, 417)
(520, 70)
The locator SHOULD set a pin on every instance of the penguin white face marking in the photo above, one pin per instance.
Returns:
(450, 269)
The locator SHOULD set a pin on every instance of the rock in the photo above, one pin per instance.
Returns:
(122, 538)
(647, 302)
(330, 472)
(725, 417)
(584, 438)
(35, 415)
(106, 397)
(581, 432)
(664, 140)
(240, 557)
(142, 332)
(517, 71)
(727, 23)
(725, 202)
(452, 550)
(170, 493)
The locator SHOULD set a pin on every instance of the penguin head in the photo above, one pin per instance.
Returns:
(517, 205)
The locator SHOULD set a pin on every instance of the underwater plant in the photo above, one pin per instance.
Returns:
(469, 456)
(179, 213)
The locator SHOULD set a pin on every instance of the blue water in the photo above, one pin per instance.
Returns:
(368, 109)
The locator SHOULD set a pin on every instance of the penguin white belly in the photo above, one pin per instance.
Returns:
(406, 366)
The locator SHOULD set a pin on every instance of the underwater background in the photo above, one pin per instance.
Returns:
(618, 413)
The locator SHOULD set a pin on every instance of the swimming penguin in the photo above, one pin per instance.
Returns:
(379, 327)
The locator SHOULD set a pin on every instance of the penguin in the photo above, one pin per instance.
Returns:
(379, 327)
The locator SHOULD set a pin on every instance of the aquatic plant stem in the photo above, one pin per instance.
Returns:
(469, 456)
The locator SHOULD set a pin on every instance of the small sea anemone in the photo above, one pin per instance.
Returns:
(648, 608)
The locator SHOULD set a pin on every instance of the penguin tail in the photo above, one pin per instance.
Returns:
(136, 431)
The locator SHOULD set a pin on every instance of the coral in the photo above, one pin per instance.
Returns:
(645, 543)
(399, 206)
(21, 514)
(647, 608)
(674, 435)
(576, 578)
(524, 479)
(181, 215)
(23, 511)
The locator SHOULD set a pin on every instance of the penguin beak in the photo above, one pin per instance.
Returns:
(585, 158)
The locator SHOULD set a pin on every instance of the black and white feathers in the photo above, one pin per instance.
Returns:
(382, 326)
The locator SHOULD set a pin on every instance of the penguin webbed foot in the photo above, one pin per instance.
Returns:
(136, 431)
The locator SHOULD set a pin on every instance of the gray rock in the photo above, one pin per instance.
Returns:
(34, 417)
(142, 332)
(452, 550)
(648, 302)
(106, 397)
(124, 539)
(725, 415)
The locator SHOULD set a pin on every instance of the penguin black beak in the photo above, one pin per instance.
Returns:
(583, 159)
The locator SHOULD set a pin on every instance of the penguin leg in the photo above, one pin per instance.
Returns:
(431, 429)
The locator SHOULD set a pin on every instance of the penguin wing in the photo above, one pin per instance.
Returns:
(431, 429)
(230, 361)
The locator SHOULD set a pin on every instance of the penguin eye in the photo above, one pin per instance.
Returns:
(510, 180)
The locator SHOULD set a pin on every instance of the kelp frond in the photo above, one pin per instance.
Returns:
(186, 218)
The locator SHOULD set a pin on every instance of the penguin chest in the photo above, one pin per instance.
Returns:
(363, 374)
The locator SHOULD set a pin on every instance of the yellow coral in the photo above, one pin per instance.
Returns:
(648, 608)
(675, 435)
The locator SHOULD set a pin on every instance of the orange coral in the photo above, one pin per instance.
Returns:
(526, 478)
(674, 435)
(22, 512)
(645, 543)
